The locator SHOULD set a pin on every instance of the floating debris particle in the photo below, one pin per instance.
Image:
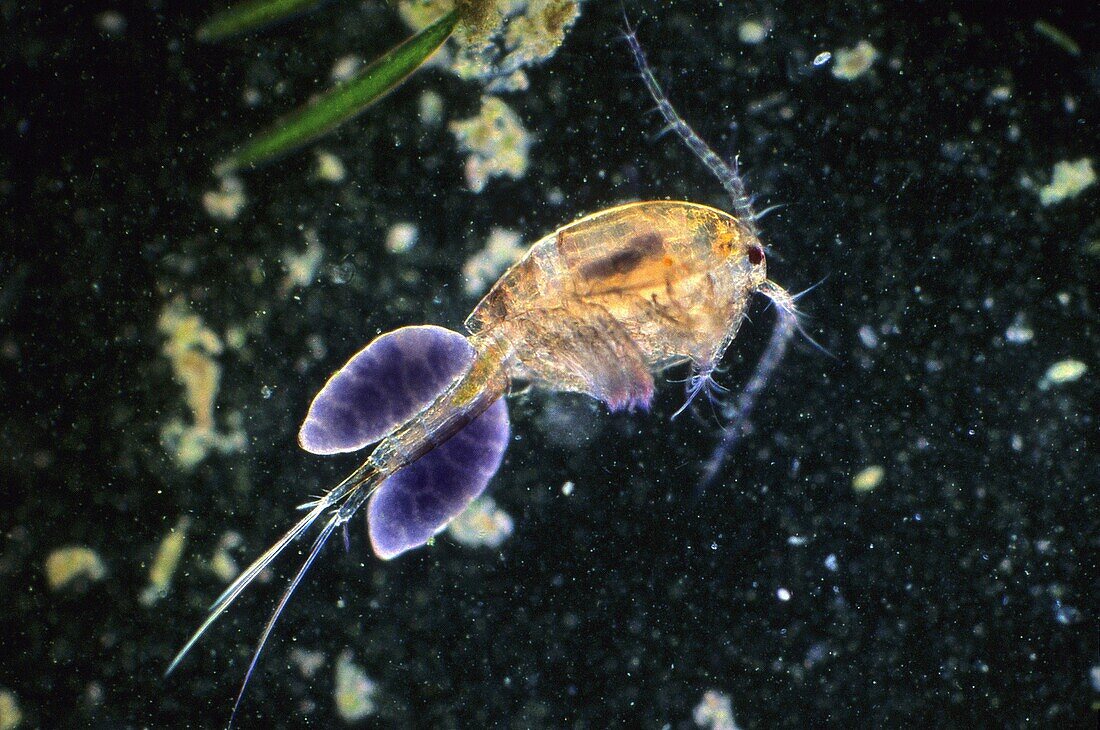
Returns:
(1019, 332)
(822, 58)
(503, 249)
(430, 108)
(1000, 93)
(165, 563)
(1057, 36)
(227, 202)
(567, 488)
(714, 711)
(401, 237)
(301, 268)
(11, 716)
(330, 168)
(752, 32)
(111, 22)
(222, 563)
(67, 564)
(355, 691)
(851, 63)
(868, 478)
(308, 661)
(1064, 371)
(497, 39)
(1068, 180)
(496, 142)
(345, 68)
(1094, 677)
(868, 337)
(482, 524)
(190, 348)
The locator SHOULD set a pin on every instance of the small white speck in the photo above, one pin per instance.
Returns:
(567, 488)
(783, 595)
(831, 563)
(868, 337)
(822, 58)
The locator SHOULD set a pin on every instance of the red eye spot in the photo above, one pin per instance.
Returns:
(756, 255)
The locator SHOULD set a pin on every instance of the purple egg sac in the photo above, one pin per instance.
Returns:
(383, 385)
(420, 500)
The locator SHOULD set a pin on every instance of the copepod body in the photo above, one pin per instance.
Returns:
(596, 307)
(599, 305)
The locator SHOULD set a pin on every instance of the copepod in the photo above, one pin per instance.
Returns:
(596, 307)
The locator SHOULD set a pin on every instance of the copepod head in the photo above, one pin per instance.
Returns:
(737, 244)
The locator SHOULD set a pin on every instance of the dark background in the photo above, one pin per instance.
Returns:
(965, 588)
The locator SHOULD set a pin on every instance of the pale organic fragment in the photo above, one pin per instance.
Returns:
(868, 478)
(1063, 371)
(301, 267)
(401, 237)
(497, 38)
(227, 202)
(752, 32)
(330, 168)
(502, 250)
(166, 562)
(222, 563)
(496, 143)
(851, 63)
(714, 712)
(1068, 180)
(482, 524)
(356, 693)
(67, 564)
(11, 716)
(190, 348)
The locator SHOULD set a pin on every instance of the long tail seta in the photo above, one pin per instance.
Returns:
(433, 398)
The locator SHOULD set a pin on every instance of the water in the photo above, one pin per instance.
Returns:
(913, 190)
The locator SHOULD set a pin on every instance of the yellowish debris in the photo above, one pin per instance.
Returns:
(752, 32)
(497, 38)
(1068, 180)
(482, 524)
(503, 249)
(401, 237)
(329, 167)
(222, 563)
(345, 68)
(1064, 371)
(11, 716)
(227, 202)
(67, 564)
(301, 268)
(355, 691)
(495, 140)
(190, 348)
(165, 563)
(868, 478)
(714, 712)
(308, 661)
(430, 107)
(851, 63)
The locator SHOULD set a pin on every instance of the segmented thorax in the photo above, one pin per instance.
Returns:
(663, 280)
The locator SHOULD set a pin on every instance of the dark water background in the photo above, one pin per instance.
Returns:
(965, 585)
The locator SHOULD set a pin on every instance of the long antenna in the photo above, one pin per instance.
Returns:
(728, 176)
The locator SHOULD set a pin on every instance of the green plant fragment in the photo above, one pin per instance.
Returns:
(249, 16)
(342, 102)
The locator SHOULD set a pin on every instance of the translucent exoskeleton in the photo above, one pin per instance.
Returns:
(596, 307)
